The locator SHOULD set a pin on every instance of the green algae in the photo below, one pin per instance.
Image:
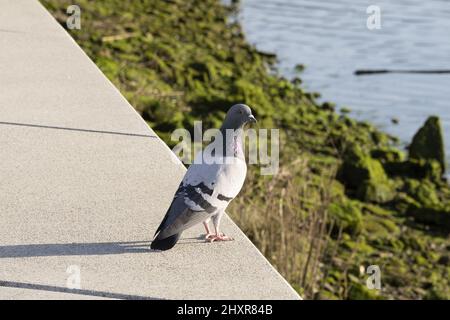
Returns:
(366, 176)
(428, 142)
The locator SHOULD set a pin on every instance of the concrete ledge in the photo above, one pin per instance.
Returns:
(85, 182)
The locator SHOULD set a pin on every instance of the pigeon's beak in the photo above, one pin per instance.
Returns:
(251, 119)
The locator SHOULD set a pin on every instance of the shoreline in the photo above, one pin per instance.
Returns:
(313, 45)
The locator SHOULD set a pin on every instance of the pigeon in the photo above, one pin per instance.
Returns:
(208, 186)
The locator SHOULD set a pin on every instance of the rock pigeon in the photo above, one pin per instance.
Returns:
(208, 186)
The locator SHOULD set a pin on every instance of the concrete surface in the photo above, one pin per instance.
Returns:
(84, 182)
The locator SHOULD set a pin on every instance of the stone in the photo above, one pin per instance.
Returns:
(428, 143)
(387, 154)
(375, 192)
(347, 214)
(415, 169)
(423, 191)
(366, 176)
(437, 217)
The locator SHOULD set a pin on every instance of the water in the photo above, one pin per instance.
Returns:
(332, 40)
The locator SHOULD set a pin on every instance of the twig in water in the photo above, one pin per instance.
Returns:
(363, 72)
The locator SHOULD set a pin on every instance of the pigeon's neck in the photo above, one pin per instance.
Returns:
(233, 142)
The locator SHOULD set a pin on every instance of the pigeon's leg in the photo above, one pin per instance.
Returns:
(208, 233)
(219, 236)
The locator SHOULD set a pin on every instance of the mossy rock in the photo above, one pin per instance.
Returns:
(330, 106)
(347, 214)
(414, 168)
(359, 247)
(415, 243)
(434, 216)
(444, 260)
(428, 142)
(396, 273)
(366, 176)
(359, 291)
(423, 191)
(345, 110)
(387, 154)
(379, 138)
(376, 210)
(420, 260)
(438, 292)
(327, 295)
(379, 192)
(337, 190)
(422, 202)
(380, 227)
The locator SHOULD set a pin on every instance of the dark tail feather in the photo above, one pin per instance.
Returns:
(166, 243)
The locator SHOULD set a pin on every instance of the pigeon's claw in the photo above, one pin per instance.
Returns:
(220, 237)
(208, 236)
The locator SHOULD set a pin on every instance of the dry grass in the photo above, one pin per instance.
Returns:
(287, 219)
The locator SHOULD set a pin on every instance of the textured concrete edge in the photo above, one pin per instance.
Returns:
(138, 116)
(175, 160)
(266, 260)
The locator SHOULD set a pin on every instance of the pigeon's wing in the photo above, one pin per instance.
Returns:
(179, 217)
(206, 189)
(210, 187)
(192, 201)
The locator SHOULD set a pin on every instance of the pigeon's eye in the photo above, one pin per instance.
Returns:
(241, 112)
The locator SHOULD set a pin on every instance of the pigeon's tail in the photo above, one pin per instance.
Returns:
(166, 243)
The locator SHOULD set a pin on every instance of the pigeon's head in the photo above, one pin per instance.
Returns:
(238, 116)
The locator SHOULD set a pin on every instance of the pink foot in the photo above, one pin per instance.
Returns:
(208, 236)
(219, 237)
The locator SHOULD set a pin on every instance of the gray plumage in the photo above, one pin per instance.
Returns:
(208, 186)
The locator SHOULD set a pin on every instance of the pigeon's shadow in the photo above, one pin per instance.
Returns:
(82, 249)
(57, 289)
(73, 249)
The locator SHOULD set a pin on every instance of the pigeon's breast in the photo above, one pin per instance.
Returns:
(231, 177)
(211, 186)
